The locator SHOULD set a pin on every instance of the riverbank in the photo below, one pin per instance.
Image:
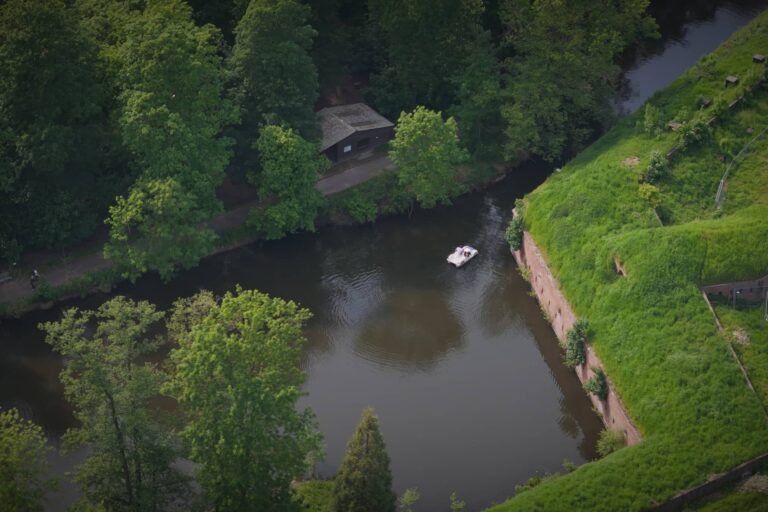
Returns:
(358, 194)
(632, 263)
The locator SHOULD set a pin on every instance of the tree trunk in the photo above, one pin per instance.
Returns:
(121, 445)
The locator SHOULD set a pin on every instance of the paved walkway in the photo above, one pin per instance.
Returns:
(19, 288)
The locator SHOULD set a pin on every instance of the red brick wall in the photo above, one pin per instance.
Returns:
(748, 290)
(562, 318)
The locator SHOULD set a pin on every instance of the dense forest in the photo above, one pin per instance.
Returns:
(129, 115)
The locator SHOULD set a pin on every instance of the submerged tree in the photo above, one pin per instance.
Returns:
(426, 150)
(23, 464)
(237, 379)
(290, 167)
(364, 480)
(113, 392)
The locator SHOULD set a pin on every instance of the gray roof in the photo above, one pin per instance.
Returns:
(341, 121)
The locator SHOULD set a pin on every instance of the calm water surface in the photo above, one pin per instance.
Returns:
(463, 371)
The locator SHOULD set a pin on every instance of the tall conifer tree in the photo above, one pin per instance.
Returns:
(364, 480)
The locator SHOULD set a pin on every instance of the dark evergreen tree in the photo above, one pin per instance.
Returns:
(364, 480)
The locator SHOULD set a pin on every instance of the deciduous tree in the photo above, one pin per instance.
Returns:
(237, 379)
(290, 167)
(158, 227)
(275, 78)
(562, 73)
(425, 43)
(426, 150)
(23, 464)
(172, 113)
(113, 391)
(55, 146)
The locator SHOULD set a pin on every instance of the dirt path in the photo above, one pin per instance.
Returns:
(20, 289)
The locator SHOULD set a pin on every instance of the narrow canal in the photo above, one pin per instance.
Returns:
(461, 367)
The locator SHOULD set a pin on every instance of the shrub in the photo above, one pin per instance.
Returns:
(652, 120)
(361, 207)
(535, 481)
(610, 440)
(598, 384)
(44, 291)
(574, 344)
(692, 133)
(650, 194)
(514, 233)
(657, 169)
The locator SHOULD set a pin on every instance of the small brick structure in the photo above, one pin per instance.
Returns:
(753, 290)
(562, 318)
(731, 80)
(758, 58)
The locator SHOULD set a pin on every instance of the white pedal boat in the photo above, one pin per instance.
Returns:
(462, 255)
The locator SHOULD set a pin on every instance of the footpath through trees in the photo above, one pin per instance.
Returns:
(18, 289)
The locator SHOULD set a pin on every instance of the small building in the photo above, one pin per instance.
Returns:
(349, 130)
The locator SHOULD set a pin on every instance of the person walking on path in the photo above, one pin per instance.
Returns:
(33, 278)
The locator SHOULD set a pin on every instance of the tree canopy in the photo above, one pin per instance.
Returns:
(237, 380)
(364, 480)
(290, 167)
(171, 115)
(23, 464)
(55, 154)
(158, 227)
(562, 75)
(424, 44)
(275, 79)
(426, 150)
(112, 388)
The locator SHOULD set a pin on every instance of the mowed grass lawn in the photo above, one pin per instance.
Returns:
(652, 329)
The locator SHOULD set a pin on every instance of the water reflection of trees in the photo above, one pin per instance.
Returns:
(576, 414)
(412, 329)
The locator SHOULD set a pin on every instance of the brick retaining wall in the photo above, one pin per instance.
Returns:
(562, 318)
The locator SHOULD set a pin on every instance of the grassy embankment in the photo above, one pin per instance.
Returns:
(652, 328)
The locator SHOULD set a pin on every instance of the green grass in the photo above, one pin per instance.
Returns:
(750, 321)
(652, 329)
(739, 502)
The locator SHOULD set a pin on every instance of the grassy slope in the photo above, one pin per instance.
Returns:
(652, 329)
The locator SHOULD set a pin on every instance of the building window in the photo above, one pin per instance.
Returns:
(363, 142)
(347, 149)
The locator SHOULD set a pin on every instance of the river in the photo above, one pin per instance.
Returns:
(460, 365)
